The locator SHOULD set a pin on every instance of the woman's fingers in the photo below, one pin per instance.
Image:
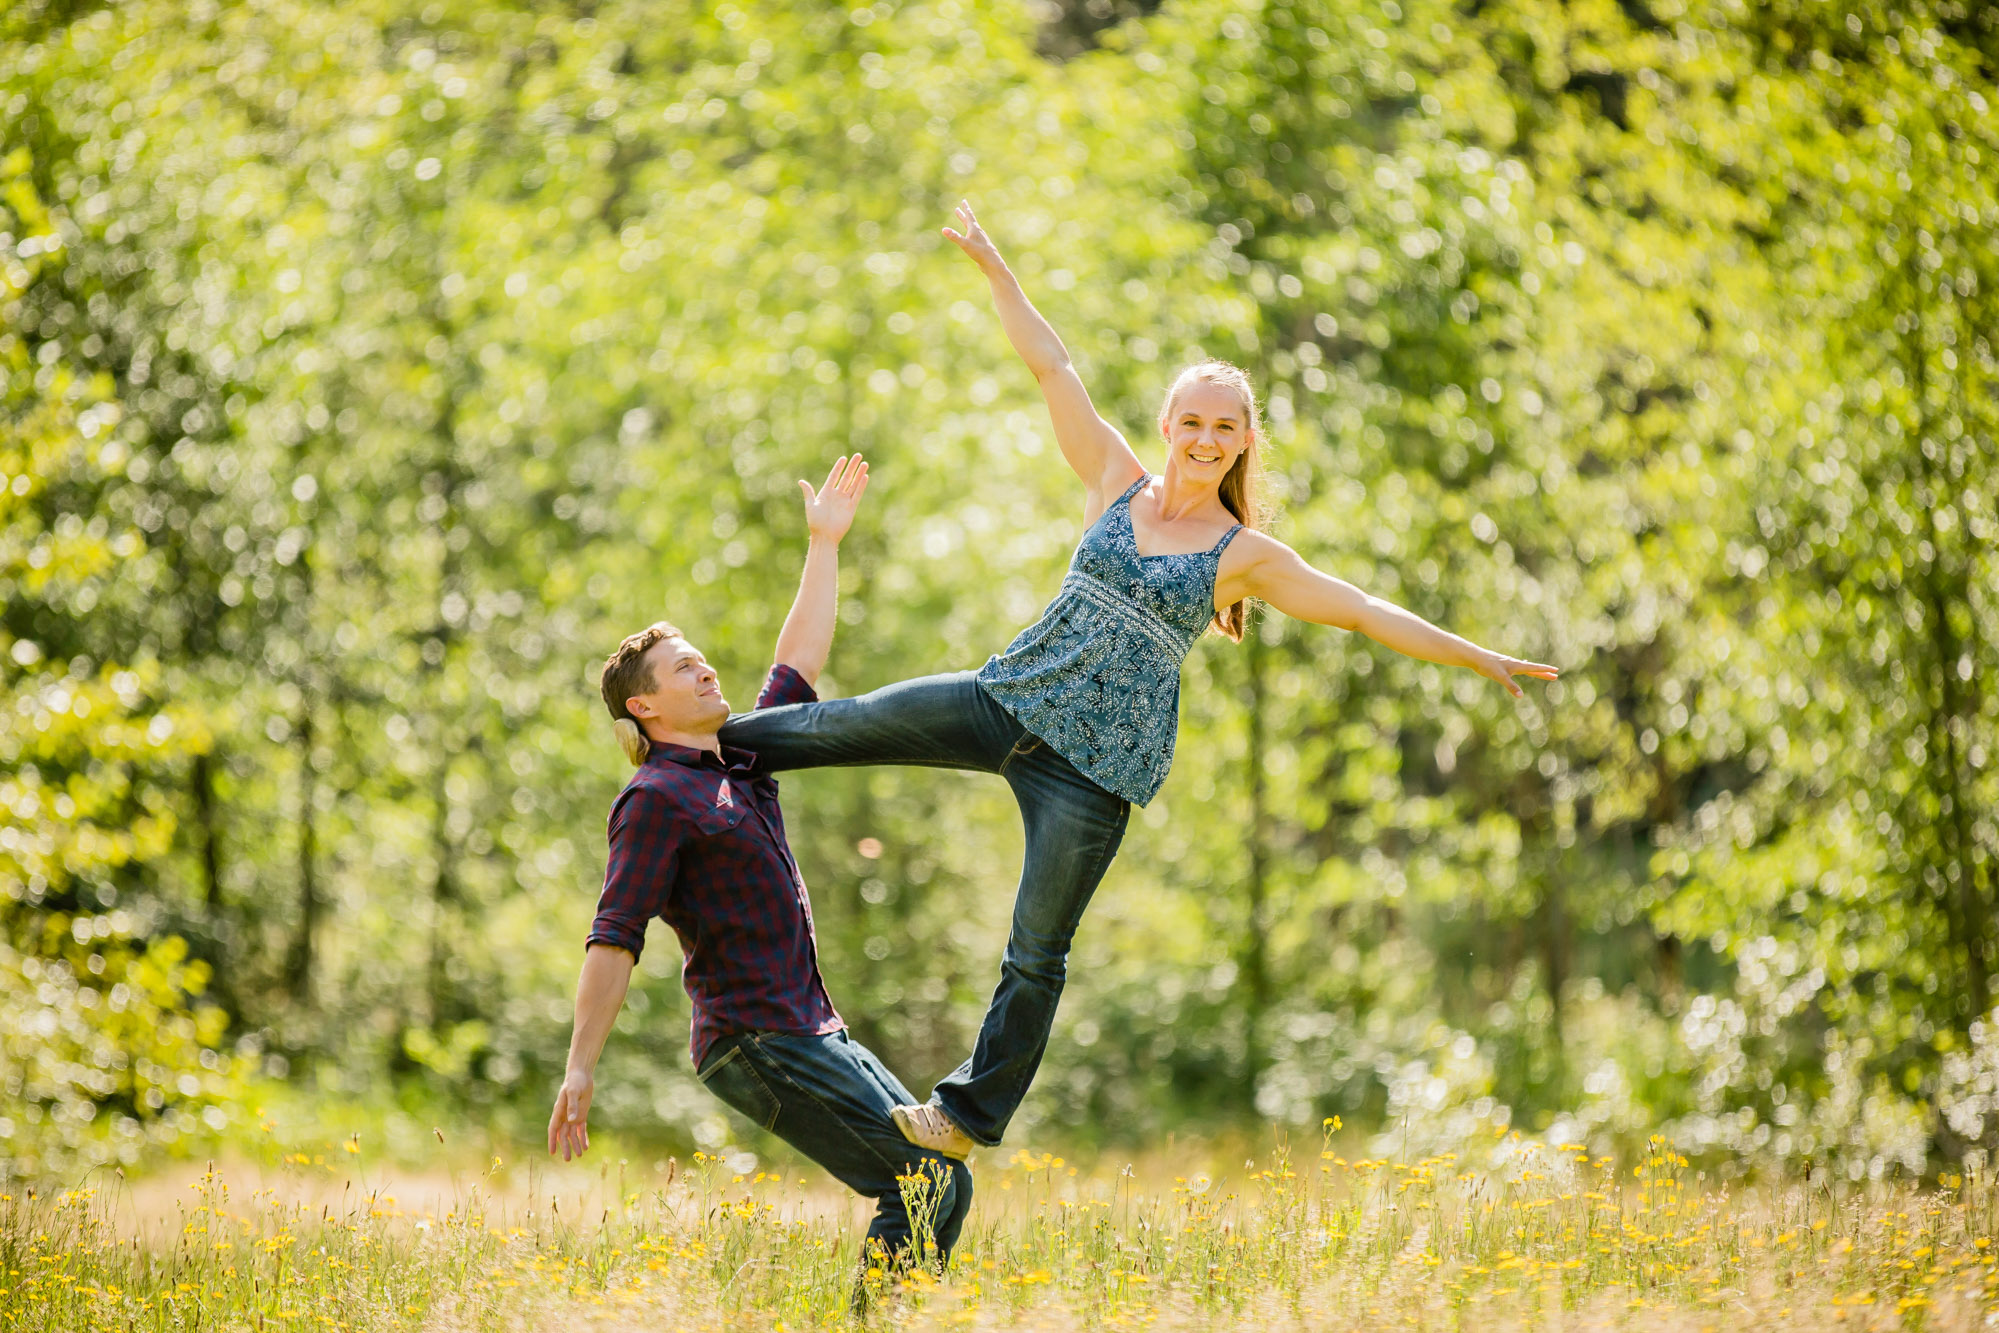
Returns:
(973, 234)
(1496, 666)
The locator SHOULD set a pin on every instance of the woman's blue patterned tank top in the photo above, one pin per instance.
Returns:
(1098, 676)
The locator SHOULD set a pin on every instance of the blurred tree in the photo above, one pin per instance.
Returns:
(107, 1044)
(449, 343)
(1860, 859)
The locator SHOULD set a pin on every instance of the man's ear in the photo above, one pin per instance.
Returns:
(638, 707)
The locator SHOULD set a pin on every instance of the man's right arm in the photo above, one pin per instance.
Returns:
(600, 993)
(638, 878)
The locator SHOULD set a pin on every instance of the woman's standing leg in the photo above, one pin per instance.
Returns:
(942, 721)
(1073, 830)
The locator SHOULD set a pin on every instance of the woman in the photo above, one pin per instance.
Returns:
(1079, 713)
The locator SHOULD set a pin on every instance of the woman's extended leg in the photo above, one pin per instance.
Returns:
(933, 721)
(1073, 830)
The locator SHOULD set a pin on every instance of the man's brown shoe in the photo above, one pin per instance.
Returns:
(927, 1126)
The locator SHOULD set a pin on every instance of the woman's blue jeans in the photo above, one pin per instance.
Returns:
(1073, 829)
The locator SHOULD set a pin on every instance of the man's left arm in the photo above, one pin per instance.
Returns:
(807, 635)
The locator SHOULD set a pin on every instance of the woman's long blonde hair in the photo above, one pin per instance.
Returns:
(627, 673)
(1242, 488)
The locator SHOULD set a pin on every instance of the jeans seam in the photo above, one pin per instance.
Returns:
(749, 1067)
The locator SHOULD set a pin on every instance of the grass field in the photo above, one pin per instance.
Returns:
(1506, 1233)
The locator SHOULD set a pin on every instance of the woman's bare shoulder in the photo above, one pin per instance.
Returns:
(1251, 547)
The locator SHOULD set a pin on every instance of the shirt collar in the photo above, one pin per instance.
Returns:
(732, 759)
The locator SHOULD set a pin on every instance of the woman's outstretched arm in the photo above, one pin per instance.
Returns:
(1273, 572)
(1092, 445)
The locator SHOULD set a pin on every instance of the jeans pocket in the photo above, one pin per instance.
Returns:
(1026, 745)
(736, 1081)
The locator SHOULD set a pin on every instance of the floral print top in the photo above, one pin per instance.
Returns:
(1098, 676)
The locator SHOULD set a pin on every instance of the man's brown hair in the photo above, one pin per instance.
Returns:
(626, 673)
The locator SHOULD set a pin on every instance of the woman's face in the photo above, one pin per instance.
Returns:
(1207, 431)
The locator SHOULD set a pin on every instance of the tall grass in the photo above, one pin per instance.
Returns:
(1505, 1233)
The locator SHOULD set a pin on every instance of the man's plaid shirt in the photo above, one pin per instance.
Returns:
(700, 841)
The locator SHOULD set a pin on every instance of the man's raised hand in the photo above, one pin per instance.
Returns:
(830, 511)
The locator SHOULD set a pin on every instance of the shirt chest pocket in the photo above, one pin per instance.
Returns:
(719, 820)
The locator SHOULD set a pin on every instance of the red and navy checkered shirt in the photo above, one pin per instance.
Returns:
(699, 841)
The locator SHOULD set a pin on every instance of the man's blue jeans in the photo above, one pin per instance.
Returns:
(1073, 830)
(829, 1097)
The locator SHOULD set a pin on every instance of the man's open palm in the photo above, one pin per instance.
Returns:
(830, 512)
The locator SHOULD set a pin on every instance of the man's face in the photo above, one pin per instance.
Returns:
(686, 696)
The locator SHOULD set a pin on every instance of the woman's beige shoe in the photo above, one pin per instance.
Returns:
(927, 1126)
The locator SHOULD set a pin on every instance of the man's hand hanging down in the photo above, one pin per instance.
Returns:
(569, 1126)
(600, 992)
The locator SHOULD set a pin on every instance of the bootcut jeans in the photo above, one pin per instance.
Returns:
(830, 1098)
(1073, 830)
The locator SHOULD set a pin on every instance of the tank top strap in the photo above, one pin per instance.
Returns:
(1131, 490)
(1227, 537)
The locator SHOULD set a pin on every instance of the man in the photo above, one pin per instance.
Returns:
(697, 838)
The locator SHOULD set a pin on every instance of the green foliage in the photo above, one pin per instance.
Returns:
(378, 366)
(106, 1049)
(109, 1054)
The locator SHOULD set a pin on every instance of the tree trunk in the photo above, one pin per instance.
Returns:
(443, 891)
(298, 962)
(1554, 942)
(203, 781)
(1256, 960)
(1945, 702)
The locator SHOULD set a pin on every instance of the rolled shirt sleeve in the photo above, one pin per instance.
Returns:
(639, 872)
(785, 686)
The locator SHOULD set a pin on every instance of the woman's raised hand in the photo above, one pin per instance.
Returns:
(973, 240)
(830, 512)
(1500, 667)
